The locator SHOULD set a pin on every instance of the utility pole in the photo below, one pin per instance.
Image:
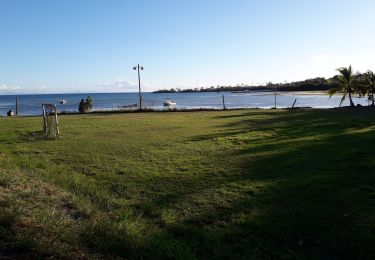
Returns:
(138, 68)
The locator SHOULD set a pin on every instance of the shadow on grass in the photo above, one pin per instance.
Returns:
(304, 190)
(315, 199)
(319, 202)
(34, 136)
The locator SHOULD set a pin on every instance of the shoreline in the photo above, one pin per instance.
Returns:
(104, 103)
(149, 110)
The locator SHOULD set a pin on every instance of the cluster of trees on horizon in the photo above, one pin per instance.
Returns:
(346, 82)
(306, 85)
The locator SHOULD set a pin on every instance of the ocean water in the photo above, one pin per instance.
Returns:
(31, 104)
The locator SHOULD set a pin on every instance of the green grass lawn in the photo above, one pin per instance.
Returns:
(260, 184)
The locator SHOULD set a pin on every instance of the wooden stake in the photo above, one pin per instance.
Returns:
(16, 105)
(294, 103)
(57, 124)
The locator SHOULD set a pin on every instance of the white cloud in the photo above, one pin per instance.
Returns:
(42, 87)
(121, 85)
(6, 88)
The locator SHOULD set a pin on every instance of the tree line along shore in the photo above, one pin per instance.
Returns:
(320, 84)
(346, 82)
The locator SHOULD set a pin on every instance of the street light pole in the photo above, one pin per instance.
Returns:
(138, 68)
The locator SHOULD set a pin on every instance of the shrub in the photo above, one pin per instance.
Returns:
(85, 105)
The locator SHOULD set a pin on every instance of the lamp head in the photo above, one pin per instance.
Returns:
(134, 68)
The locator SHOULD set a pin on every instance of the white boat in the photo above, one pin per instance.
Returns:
(169, 102)
(63, 101)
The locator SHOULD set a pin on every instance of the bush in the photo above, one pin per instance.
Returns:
(85, 105)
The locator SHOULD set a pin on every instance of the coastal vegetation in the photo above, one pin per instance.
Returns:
(346, 82)
(367, 86)
(264, 184)
(306, 85)
(85, 105)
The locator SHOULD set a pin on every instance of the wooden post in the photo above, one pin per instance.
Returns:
(139, 86)
(223, 101)
(44, 120)
(57, 125)
(16, 105)
(294, 103)
(275, 96)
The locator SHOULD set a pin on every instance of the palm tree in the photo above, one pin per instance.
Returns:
(345, 83)
(368, 85)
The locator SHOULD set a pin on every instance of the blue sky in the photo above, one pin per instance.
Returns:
(91, 45)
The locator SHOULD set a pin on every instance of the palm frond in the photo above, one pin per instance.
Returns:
(333, 91)
(346, 73)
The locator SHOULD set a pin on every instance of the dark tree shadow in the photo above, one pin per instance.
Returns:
(307, 192)
(33, 136)
(318, 205)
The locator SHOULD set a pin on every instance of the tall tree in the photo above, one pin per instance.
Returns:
(344, 83)
(368, 85)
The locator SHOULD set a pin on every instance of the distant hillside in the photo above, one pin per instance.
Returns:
(306, 85)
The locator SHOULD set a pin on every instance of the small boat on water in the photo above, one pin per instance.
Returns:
(63, 101)
(169, 102)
